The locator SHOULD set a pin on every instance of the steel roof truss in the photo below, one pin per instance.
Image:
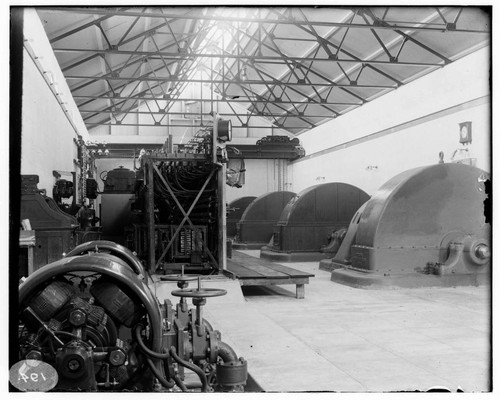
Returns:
(236, 114)
(79, 28)
(80, 62)
(382, 45)
(377, 21)
(117, 72)
(298, 91)
(261, 59)
(130, 61)
(265, 105)
(318, 74)
(319, 38)
(134, 22)
(458, 16)
(140, 59)
(274, 21)
(99, 26)
(326, 40)
(355, 12)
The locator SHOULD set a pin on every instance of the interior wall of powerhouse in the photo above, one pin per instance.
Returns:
(403, 129)
(47, 138)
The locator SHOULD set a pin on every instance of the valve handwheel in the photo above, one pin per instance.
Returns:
(197, 293)
(178, 278)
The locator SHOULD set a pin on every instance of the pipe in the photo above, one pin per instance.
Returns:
(208, 325)
(163, 356)
(197, 370)
(144, 348)
(168, 384)
(226, 352)
(179, 383)
(116, 249)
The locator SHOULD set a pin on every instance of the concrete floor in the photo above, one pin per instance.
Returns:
(355, 340)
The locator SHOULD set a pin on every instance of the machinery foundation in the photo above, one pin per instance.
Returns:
(372, 280)
(298, 256)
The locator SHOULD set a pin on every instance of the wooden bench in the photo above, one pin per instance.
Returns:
(251, 271)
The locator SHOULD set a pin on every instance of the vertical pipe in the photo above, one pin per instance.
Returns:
(201, 102)
(170, 149)
(222, 248)
(280, 188)
(150, 219)
(215, 134)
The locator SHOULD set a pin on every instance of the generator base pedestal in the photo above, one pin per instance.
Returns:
(371, 280)
(329, 265)
(248, 246)
(298, 256)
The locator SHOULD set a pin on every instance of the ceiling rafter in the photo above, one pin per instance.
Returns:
(332, 84)
(265, 103)
(177, 89)
(116, 12)
(108, 123)
(245, 88)
(207, 114)
(256, 58)
(271, 81)
(128, 63)
(321, 101)
(104, 65)
(222, 99)
(377, 21)
(78, 29)
(354, 57)
(313, 70)
(294, 66)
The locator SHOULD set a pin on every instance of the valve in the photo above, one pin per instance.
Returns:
(199, 296)
(181, 279)
(200, 293)
(182, 283)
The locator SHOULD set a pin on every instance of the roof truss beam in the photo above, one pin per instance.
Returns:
(415, 26)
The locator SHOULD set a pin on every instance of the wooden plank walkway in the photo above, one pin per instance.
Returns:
(251, 271)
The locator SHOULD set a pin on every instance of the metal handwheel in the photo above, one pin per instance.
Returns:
(197, 293)
(178, 278)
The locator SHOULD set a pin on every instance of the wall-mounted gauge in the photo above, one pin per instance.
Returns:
(224, 130)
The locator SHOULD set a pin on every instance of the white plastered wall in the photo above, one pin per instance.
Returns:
(403, 129)
(50, 121)
(261, 176)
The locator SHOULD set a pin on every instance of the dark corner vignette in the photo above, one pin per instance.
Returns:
(15, 112)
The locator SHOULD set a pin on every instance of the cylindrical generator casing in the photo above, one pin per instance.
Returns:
(233, 217)
(309, 217)
(412, 218)
(424, 227)
(256, 224)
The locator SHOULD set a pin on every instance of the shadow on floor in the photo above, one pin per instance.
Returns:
(254, 291)
(252, 386)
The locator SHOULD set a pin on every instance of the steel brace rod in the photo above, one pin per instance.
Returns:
(186, 217)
